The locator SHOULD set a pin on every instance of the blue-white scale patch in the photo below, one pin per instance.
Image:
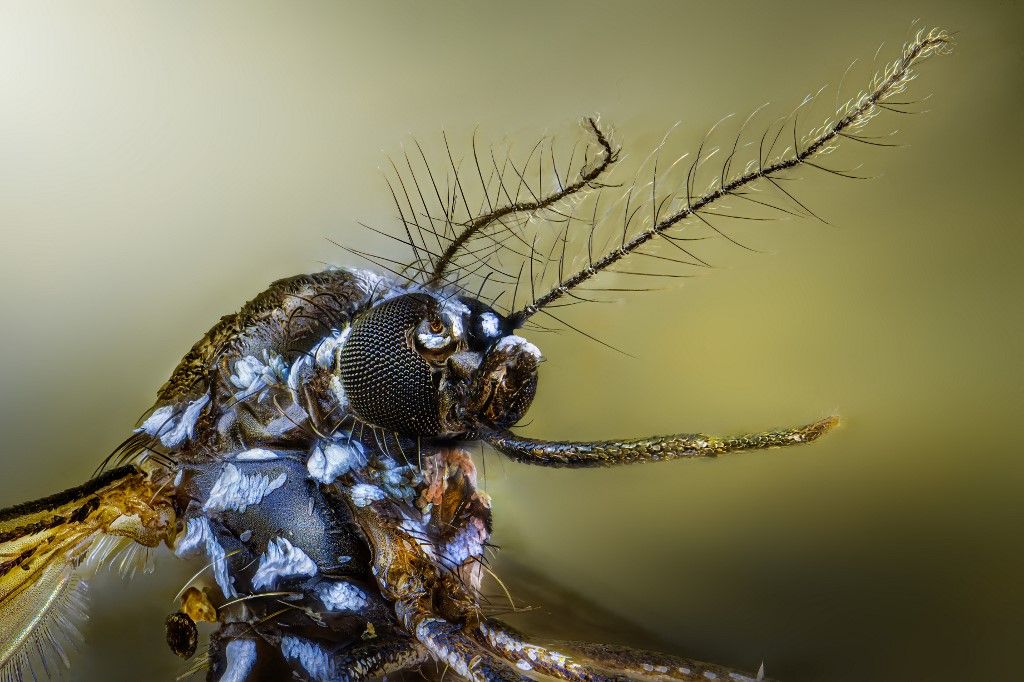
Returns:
(235, 491)
(325, 351)
(172, 425)
(397, 482)
(282, 560)
(428, 631)
(364, 494)
(316, 662)
(518, 343)
(241, 656)
(331, 460)
(322, 358)
(468, 542)
(490, 325)
(341, 596)
(257, 455)
(374, 283)
(251, 375)
(454, 311)
(198, 537)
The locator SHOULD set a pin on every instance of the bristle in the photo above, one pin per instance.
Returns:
(650, 217)
(114, 551)
(473, 222)
(42, 635)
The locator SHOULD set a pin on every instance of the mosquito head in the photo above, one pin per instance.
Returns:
(435, 365)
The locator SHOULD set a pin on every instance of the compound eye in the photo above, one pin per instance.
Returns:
(387, 380)
(435, 340)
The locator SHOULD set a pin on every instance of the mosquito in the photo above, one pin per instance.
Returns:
(313, 451)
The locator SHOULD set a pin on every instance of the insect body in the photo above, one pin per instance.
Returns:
(311, 449)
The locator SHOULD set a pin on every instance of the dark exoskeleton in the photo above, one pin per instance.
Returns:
(311, 450)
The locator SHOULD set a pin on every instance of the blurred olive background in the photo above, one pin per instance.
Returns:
(160, 163)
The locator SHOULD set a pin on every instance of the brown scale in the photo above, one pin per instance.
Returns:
(291, 314)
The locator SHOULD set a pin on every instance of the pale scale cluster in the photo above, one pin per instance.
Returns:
(282, 560)
(235, 491)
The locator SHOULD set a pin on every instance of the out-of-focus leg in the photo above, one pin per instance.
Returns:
(644, 665)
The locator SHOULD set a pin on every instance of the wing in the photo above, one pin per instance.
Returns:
(49, 546)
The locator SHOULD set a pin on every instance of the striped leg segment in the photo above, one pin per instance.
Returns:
(239, 653)
(430, 604)
(636, 664)
(449, 643)
(586, 662)
(317, 662)
(527, 656)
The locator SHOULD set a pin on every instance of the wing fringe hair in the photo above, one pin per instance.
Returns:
(49, 547)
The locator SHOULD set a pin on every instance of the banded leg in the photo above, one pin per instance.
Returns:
(241, 653)
(587, 662)
(570, 454)
(316, 661)
(449, 643)
(421, 593)
(527, 656)
(637, 664)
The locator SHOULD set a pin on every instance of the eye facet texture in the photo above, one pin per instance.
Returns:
(389, 384)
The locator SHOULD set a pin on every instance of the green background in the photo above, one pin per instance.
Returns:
(160, 163)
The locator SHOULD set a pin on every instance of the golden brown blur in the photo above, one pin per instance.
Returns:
(160, 163)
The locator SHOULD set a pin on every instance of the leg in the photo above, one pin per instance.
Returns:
(586, 662)
(317, 662)
(514, 648)
(433, 606)
(636, 664)
(242, 652)
(449, 643)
